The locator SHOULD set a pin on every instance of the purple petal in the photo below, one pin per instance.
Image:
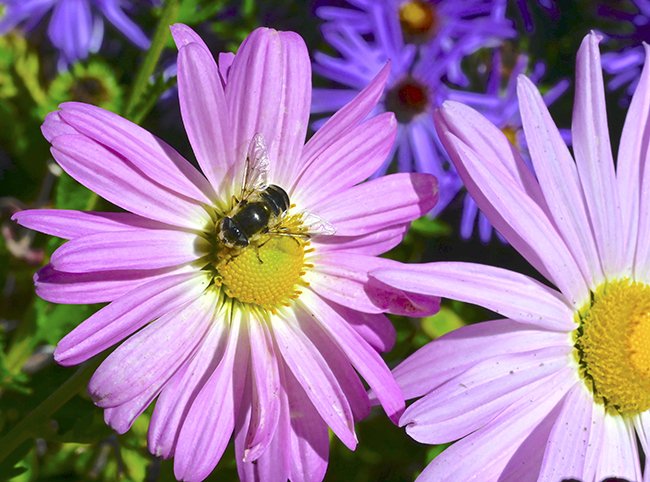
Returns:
(512, 211)
(70, 28)
(437, 362)
(633, 177)
(619, 456)
(376, 329)
(210, 422)
(127, 314)
(151, 356)
(347, 117)
(470, 400)
(380, 203)
(69, 224)
(593, 154)
(505, 292)
(156, 159)
(98, 287)
(53, 126)
(316, 378)
(371, 244)
(265, 403)
(121, 417)
(559, 180)
(184, 35)
(178, 395)
(498, 441)
(346, 162)
(568, 441)
(361, 355)
(205, 113)
(112, 11)
(135, 249)
(269, 92)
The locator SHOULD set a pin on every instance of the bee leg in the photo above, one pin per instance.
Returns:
(257, 252)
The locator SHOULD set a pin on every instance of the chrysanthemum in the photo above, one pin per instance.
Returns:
(76, 27)
(425, 42)
(499, 105)
(262, 342)
(560, 388)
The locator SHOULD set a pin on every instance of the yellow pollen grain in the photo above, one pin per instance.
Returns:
(613, 346)
(511, 135)
(267, 273)
(417, 18)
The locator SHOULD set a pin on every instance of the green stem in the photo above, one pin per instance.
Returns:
(168, 15)
(29, 426)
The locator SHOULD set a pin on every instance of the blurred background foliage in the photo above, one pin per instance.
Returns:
(74, 443)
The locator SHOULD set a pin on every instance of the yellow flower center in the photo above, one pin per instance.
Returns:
(418, 19)
(268, 272)
(612, 346)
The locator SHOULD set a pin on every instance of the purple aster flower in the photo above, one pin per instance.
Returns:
(560, 388)
(418, 65)
(625, 65)
(76, 27)
(256, 330)
(500, 106)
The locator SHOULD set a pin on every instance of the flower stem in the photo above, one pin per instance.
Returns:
(160, 37)
(29, 426)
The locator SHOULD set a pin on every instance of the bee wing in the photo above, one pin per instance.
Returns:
(316, 225)
(256, 172)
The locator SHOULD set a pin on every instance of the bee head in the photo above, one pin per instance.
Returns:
(231, 235)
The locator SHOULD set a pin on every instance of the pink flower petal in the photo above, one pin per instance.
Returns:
(180, 391)
(154, 157)
(225, 61)
(380, 203)
(631, 162)
(134, 249)
(361, 355)
(484, 137)
(338, 362)
(53, 126)
(121, 417)
(593, 154)
(343, 278)
(151, 356)
(210, 422)
(376, 329)
(308, 436)
(619, 457)
(97, 287)
(505, 292)
(315, 376)
(371, 244)
(501, 197)
(470, 400)
(559, 180)
(273, 464)
(107, 174)
(439, 361)
(498, 441)
(69, 224)
(205, 113)
(184, 35)
(352, 158)
(127, 314)
(269, 92)
(568, 442)
(265, 402)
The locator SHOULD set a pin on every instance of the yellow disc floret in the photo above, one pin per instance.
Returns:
(418, 19)
(267, 273)
(613, 346)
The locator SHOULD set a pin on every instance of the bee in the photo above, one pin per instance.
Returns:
(260, 206)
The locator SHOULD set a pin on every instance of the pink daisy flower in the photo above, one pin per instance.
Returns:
(245, 314)
(560, 387)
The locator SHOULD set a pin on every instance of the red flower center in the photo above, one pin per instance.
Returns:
(407, 99)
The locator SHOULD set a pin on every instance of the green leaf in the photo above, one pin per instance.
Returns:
(71, 195)
(430, 227)
(53, 322)
(443, 322)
